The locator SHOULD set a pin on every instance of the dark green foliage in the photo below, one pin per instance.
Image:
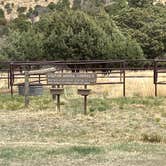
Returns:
(134, 18)
(24, 45)
(75, 35)
(2, 13)
(76, 4)
(20, 23)
(122, 29)
(3, 22)
(116, 7)
(140, 3)
(51, 5)
(98, 105)
(147, 26)
(3, 29)
(72, 35)
(62, 5)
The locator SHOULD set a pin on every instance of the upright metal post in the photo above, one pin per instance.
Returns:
(58, 103)
(11, 79)
(53, 95)
(58, 100)
(8, 78)
(85, 102)
(155, 76)
(39, 78)
(121, 72)
(26, 88)
(124, 79)
(85, 105)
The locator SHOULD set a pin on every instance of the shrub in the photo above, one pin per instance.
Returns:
(23, 45)
(20, 23)
(3, 21)
(51, 5)
(21, 10)
(152, 137)
(75, 35)
(2, 15)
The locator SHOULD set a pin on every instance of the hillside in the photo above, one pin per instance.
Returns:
(15, 4)
(10, 6)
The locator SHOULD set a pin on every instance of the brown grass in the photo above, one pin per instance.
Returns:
(130, 131)
(116, 131)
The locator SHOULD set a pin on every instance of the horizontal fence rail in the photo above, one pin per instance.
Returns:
(14, 70)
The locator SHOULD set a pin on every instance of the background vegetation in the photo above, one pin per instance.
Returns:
(90, 30)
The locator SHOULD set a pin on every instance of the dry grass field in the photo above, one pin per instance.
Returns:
(117, 131)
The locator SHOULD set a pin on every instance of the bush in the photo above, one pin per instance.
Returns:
(3, 30)
(2, 15)
(152, 137)
(21, 10)
(147, 27)
(23, 45)
(140, 3)
(116, 7)
(20, 23)
(70, 35)
(3, 21)
(51, 5)
(76, 35)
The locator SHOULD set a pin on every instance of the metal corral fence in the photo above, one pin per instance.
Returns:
(14, 70)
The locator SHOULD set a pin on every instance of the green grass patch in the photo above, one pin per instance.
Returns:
(23, 153)
(98, 105)
(86, 150)
(16, 102)
(11, 103)
(145, 101)
(76, 105)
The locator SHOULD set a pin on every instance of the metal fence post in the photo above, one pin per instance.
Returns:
(155, 76)
(124, 79)
(26, 88)
(11, 79)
